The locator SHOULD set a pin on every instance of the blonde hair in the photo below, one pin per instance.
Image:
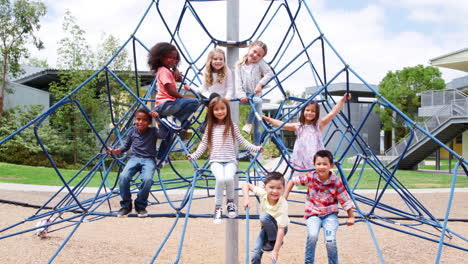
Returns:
(222, 74)
(256, 43)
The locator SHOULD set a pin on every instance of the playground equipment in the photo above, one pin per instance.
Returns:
(299, 52)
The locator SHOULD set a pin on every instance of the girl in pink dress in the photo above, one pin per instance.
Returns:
(309, 132)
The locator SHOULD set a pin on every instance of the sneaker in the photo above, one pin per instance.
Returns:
(141, 212)
(231, 209)
(171, 122)
(42, 232)
(247, 128)
(269, 245)
(217, 217)
(123, 212)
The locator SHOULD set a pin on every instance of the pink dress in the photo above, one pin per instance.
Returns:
(308, 142)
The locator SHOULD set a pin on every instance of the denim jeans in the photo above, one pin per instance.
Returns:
(224, 173)
(330, 224)
(146, 167)
(251, 119)
(181, 108)
(267, 233)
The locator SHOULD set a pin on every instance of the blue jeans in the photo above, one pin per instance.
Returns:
(251, 119)
(267, 233)
(330, 224)
(146, 167)
(181, 108)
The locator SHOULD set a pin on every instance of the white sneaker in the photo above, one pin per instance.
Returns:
(232, 209)
(247, 128)
(217, 217)
(172, 122)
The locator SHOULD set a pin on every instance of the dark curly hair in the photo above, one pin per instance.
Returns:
(158, 52)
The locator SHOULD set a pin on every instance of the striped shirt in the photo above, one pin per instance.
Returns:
(249, 76)
(323, 197)
(222, 149)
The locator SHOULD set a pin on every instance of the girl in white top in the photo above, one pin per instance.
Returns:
(252, 73)
(219, 139)
(217, 76)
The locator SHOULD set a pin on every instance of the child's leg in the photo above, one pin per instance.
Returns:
(185, 108)
(230, 170)
(257, 252)
(257, 133)
(218, 171)
(269, 225)
(146, 175)
(131, 168)
(313, 227)
(330, 226)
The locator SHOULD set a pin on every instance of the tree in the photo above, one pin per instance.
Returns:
(19, 23)
(402, 88)
(75, 61)
(37, 63)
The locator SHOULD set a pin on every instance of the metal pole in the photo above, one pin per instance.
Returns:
(232, 226)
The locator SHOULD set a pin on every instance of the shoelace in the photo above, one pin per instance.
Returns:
(231, 207)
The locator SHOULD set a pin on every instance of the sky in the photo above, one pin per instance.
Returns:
(373, 37)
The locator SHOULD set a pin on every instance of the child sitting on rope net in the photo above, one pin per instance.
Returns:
(273, 217)
(217, 79)
(324, 190)
(252, 73)
(309, 132)
(142, 140)
(174, 108)
(219, 138)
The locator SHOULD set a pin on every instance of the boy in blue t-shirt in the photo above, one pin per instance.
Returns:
(142, 140)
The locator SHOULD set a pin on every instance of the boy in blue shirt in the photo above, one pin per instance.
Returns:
(142, 140)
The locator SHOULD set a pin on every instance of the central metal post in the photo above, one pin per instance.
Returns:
(232, 54)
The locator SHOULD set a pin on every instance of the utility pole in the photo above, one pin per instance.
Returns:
(232, 225)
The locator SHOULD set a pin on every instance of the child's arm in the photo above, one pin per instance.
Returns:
(350, 220)
(246, 187)
(110, 151)
(267, 75)
(172, 90)
(243, 142)
(278, 243)
(288, 189)
(277, 123)
(201, 148)
(335, 110)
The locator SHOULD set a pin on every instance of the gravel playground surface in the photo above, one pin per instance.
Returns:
(136, 240)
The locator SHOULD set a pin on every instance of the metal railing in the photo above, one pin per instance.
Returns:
(440, 106)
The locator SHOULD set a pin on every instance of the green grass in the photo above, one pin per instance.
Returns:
(12, 173)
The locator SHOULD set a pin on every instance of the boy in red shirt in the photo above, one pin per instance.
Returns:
(325, 189)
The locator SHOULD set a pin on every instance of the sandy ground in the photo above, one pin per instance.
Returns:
(136, 240)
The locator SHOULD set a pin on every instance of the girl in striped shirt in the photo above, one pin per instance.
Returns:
(219, 138)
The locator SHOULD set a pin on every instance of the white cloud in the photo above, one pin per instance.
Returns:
(360, 36)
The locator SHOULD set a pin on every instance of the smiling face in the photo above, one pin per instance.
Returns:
(217, 61)
(310, 113)
(255, 54)
(142, 121)
(171, 59)
(322, 167)
(220, 111)
(274, 190)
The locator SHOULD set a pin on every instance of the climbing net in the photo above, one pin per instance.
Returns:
(297, 59)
